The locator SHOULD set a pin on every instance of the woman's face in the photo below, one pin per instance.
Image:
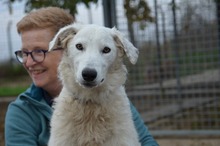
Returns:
(43, 74)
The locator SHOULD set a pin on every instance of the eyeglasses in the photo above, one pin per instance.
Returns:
(37, 55)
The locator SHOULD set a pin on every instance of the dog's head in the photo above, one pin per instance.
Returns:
(91, 51)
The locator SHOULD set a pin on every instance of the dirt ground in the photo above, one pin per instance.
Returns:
(188, 142)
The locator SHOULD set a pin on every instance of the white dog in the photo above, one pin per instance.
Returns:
(92, 108)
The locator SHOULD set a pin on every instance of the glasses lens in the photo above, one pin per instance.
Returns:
(38, 55)
(19, 56)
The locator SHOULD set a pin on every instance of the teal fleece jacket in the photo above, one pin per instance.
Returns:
(27, 121)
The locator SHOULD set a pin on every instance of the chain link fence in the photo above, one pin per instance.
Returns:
(175, 84)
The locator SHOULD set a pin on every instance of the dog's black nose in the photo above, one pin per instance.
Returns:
(89, 74)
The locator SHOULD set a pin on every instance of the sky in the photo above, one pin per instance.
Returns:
(18, 12)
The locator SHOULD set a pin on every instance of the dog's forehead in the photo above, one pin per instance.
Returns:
(94, 31)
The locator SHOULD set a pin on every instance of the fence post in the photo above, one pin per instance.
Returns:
(218, 25)
(109, 13)
(9, 41)
(176, 52)
(160, 71)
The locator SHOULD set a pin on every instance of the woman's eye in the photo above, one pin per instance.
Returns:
(38, 51)
(24, 54)
(79, 47)
(106, 50)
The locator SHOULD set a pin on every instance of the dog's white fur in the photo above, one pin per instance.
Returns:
(92, 111)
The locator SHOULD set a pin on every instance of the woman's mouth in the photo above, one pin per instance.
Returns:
(36, 71)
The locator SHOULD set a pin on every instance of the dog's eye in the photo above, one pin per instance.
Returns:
(79, 47)
(106, 50)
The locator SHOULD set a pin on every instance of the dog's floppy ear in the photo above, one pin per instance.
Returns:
(63, 36)
(126, 46)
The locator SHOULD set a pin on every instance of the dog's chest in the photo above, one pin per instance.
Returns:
(91, 123)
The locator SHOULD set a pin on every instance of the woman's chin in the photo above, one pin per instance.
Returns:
(38, 83)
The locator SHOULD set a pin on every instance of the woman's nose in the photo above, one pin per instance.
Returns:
(29, 62)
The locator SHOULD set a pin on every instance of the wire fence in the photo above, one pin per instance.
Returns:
(175, 84)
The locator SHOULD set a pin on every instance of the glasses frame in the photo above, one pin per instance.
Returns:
(32, 56)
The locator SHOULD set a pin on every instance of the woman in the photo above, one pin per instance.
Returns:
(27, 120)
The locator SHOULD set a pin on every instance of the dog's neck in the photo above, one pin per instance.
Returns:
(96, 95)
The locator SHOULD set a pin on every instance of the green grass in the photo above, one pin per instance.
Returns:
(11, 91)
(13, 79)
